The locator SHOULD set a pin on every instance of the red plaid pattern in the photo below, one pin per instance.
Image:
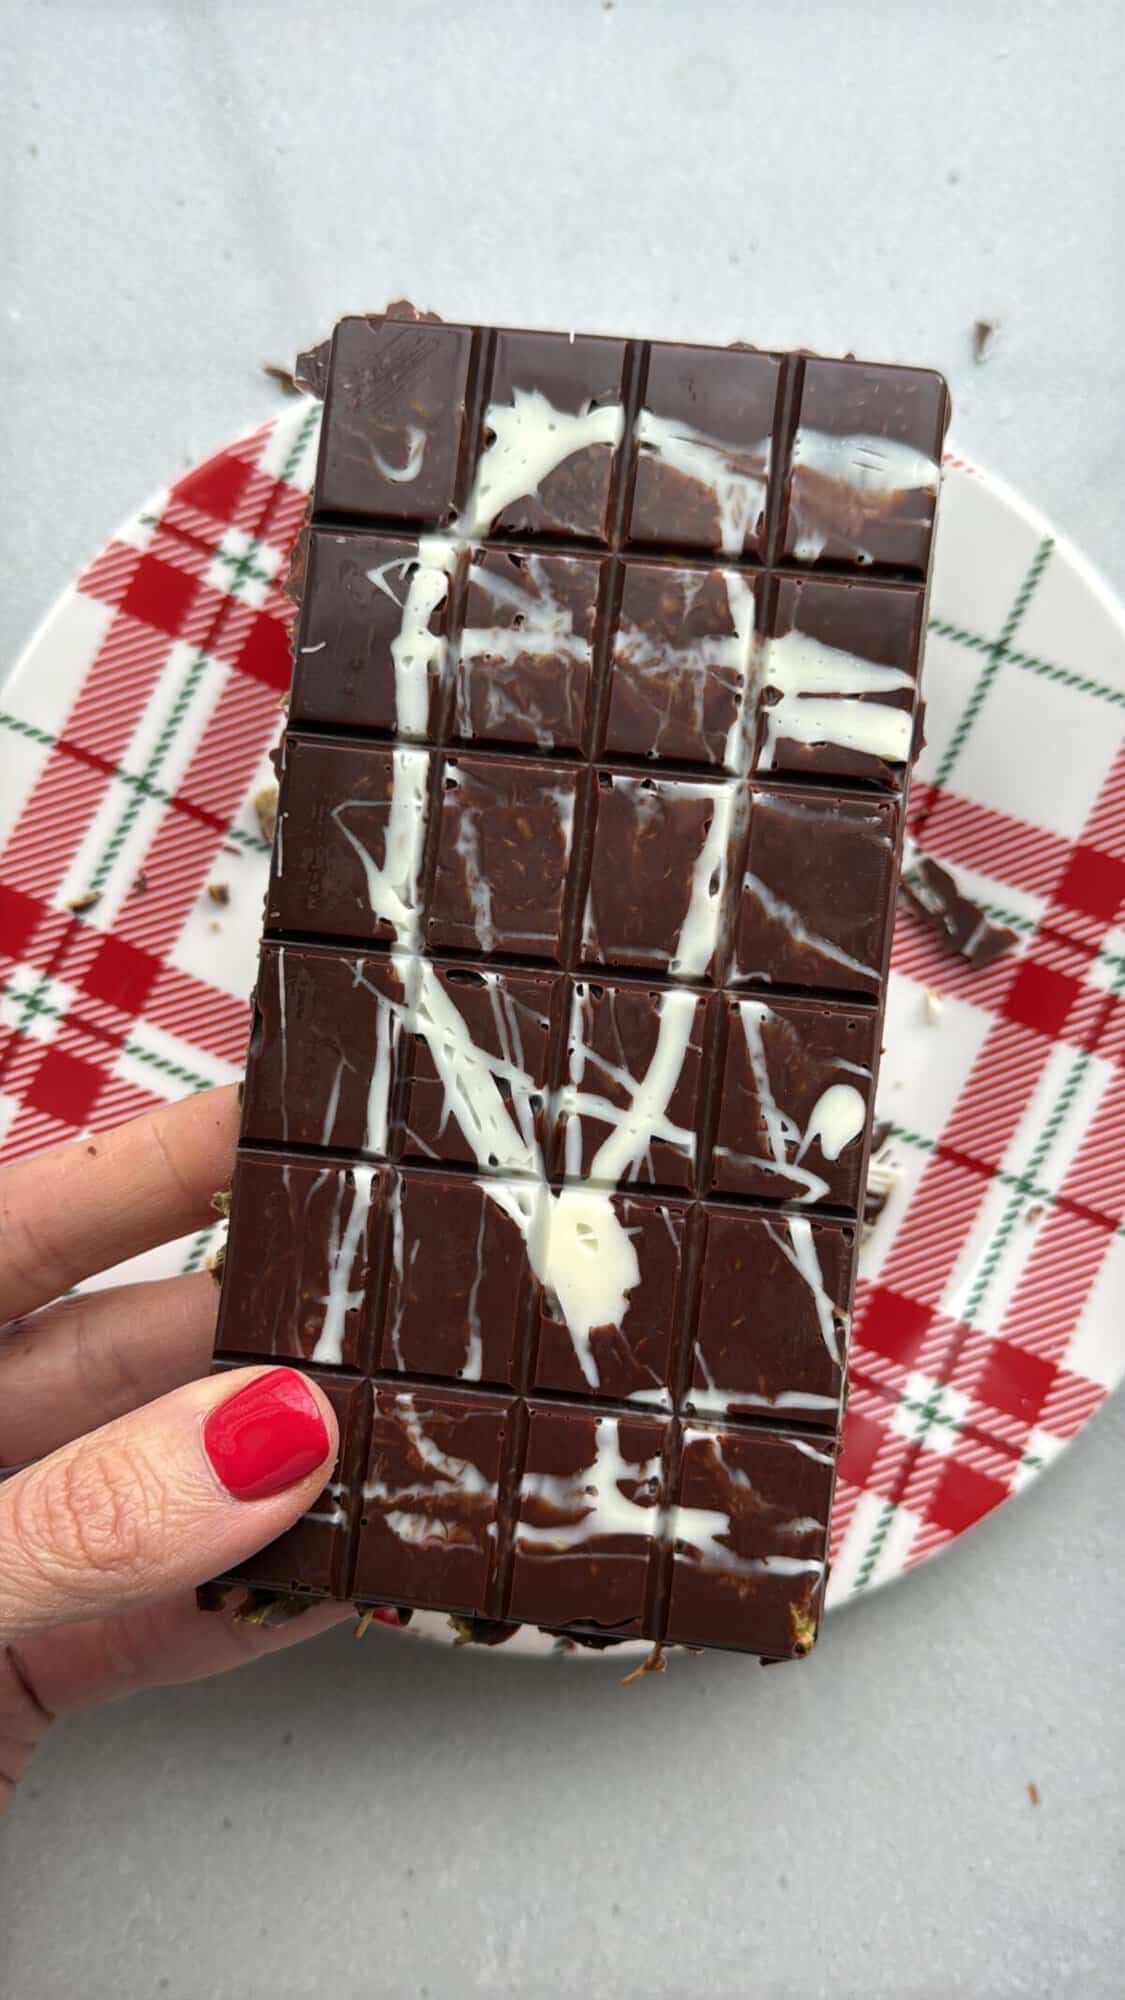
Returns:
(983, 1331)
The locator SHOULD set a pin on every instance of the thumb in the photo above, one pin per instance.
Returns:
(163, 1498)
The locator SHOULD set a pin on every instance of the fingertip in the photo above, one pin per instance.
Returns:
(272, 1430)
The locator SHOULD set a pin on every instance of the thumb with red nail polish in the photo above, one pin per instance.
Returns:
(162, 1499)
(267, 1436)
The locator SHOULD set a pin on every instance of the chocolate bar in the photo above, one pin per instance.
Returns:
(568, 1014)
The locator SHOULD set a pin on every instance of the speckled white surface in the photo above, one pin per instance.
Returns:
(380, 1818)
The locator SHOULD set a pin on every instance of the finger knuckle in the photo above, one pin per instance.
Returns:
(94, 1512)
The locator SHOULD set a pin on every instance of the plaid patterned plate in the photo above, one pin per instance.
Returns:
(990, 1322)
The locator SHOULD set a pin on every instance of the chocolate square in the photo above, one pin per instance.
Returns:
(750, 1536)
(588, 1506)
(326, 1049)
(393, 411)
(839, 693)
(352, 608)
(504, 848)
(795, 1101)
(815, 907)
(632, 1360)
(333, 871)
(657, 874)
(704, 437)
(680, 665)
(614, 1049)
(305, 1294)
(313, 1554)
(477, 1067)
(456, 1277)
(525, 652)
(539, 382)
(865, 465)
(427, 1532)
(771, 1331)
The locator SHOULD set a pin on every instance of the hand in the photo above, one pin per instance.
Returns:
(105, 1535)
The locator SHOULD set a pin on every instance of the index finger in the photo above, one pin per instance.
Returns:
(82, 1207)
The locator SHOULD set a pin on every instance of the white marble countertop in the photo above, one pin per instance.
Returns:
(193, 189)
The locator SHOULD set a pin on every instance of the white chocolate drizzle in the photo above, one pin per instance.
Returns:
(827, 695)
(342, 1297)
(705, 1534)
(392, 887)
(418, 653)
(450, 1478)
(592, 1498)
(528, 440)
(874, 468)
(402, 475)
(871, 465)
(836, 1121)
(542, 629)
(783, 913)
(575, 1241)
(736, 479)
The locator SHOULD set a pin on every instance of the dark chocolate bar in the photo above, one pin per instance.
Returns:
(568, 1015)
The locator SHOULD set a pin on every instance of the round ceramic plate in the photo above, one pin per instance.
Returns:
(990, 1320)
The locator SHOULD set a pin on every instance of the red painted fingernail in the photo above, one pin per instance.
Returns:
(267, 1436)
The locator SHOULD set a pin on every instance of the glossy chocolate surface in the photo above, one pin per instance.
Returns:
(568, 1013)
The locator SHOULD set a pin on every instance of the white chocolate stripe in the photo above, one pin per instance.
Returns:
(343, 1250)
(595, 1493)
(737, 480)
(821, 688)
(529, 439)
(871, 465)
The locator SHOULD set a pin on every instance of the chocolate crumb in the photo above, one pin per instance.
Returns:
(984, 336)
(406, 309)
(802, 1624)
(1033, 1791)
(1034, 1213)
(481, 1631)
(84, 902)
(594, 1642)
(265, 805)
(140, 883)
(932, 895)
(93, 1152)
(310, 372)
(882, 1177)
(218, 892)
(269, 1608)
(284, 377)
(654, 1662)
